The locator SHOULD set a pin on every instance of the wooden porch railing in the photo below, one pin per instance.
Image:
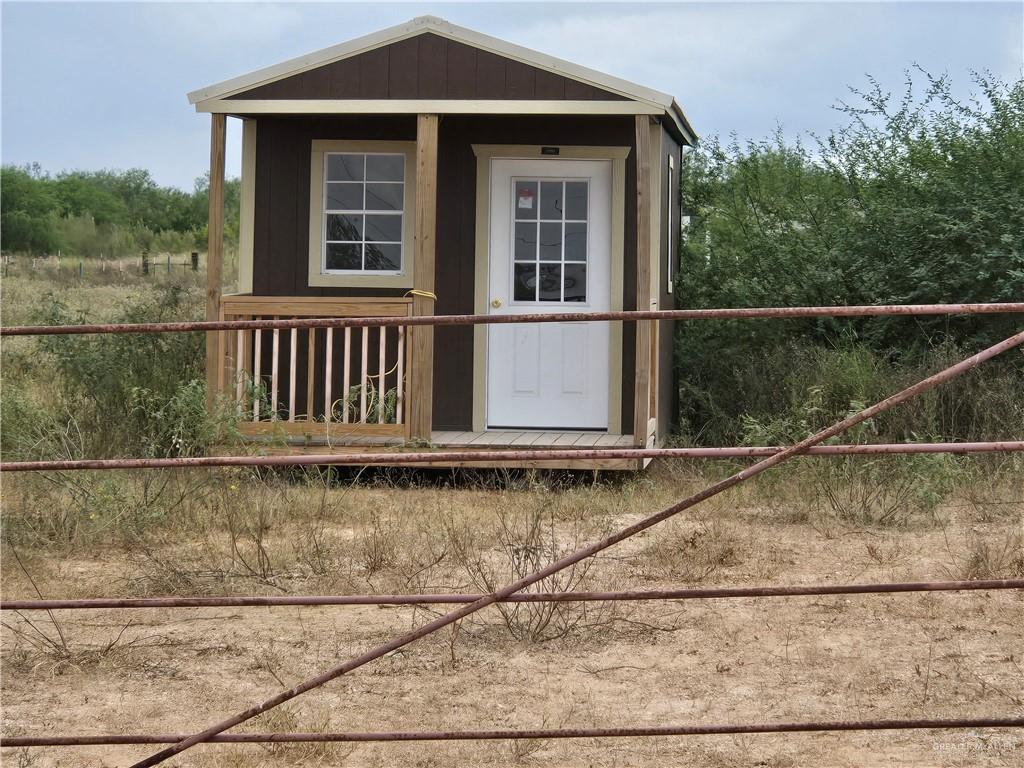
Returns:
(316, 382)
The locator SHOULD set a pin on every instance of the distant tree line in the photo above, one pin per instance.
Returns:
(109, 213)
(918, 198)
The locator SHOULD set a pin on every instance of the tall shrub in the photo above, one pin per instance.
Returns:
(136, 394)
(917, 199)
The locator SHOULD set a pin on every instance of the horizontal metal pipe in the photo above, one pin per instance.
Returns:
(400, 457)
(534, 317)
(582, 553)
(530, 733)
(520, 597)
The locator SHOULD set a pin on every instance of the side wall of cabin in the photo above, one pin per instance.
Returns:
(668, 391)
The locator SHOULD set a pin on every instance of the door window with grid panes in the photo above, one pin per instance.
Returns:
(549, 249)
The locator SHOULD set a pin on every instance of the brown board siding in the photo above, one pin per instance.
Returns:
(281, 242)
(428, 66)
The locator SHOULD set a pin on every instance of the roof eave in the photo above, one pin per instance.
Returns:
(683, 124)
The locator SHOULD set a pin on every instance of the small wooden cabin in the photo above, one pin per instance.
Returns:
(430, 169)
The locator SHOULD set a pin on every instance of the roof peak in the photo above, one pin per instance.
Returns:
(437, 25)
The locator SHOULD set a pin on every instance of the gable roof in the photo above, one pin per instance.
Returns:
(205, 98)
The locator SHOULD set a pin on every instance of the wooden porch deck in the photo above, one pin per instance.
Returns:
(471, 441)
(529, 439)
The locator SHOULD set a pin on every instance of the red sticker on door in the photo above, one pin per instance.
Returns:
(526, 198)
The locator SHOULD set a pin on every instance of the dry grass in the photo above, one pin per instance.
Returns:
(714, 661)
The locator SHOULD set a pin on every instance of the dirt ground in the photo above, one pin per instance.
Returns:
(653, 663)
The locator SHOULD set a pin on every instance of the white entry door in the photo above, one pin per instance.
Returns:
(550, 251)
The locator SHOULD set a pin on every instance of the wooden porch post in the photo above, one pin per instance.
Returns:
(644, 336)
(421, 374)
(215, 255)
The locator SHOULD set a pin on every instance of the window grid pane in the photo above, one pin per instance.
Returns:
(364, 212)
(550, 225)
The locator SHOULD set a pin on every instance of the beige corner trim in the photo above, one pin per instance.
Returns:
(618, 262)
(316, 276)
(422, 106)
(485, 153)
(247, 208)
(480, 278)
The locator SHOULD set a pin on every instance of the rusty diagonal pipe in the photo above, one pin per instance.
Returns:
(533, 317)
(571, 559)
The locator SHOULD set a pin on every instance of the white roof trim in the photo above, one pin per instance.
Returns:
(422, 24)
(419, 106)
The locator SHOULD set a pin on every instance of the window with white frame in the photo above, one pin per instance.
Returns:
(361, 203)
(364, 200)
(671, 234)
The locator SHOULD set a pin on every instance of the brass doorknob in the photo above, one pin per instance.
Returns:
(496, 303)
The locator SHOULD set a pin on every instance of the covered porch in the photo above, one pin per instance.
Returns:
(346, 390)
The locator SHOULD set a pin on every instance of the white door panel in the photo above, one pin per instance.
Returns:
(549, 251)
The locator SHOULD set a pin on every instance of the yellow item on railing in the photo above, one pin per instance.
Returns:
(423, 294)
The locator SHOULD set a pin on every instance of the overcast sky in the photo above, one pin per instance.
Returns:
(102, 85)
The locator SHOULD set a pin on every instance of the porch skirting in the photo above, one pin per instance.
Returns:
(291, 444)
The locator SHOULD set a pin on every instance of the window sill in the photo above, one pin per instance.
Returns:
(321, 280)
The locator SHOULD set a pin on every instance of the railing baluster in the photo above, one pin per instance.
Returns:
(363, 380)
(239, 369)
(400, 369)
(274, 364)
(375, 396)
(347, 378)
(328, 362)
(227, 362)
(224, 353)
(292, 372)
(257, 379)
(381, 371)
(310, 368)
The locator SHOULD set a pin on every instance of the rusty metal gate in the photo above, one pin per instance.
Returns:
(467, 604)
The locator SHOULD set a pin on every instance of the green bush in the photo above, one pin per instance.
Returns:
(135, 394)
(918, 199)
(28, 430)
(782, 394)
(884, 491)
